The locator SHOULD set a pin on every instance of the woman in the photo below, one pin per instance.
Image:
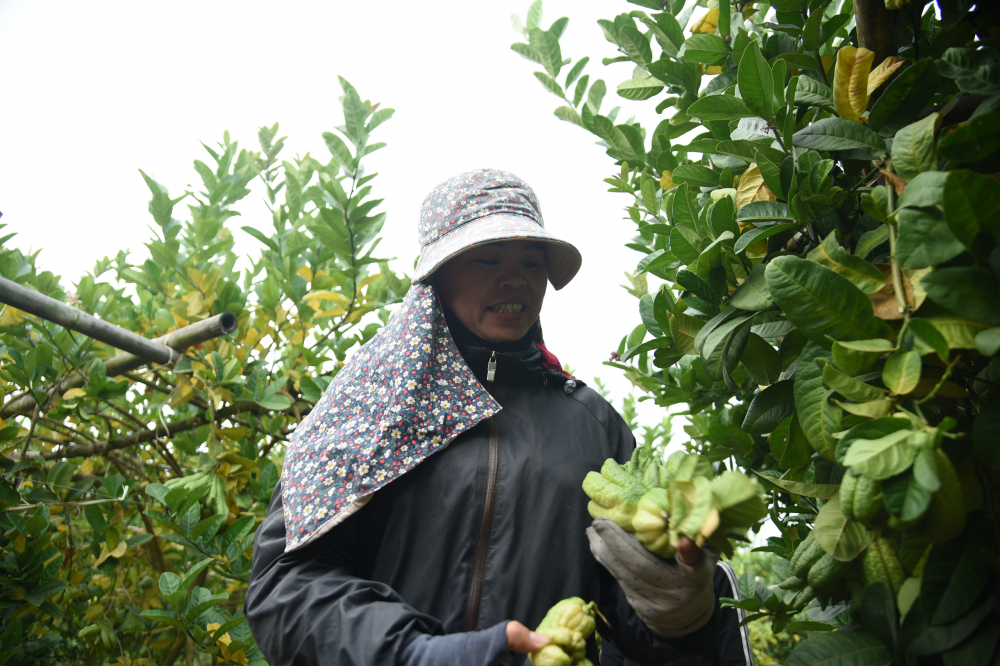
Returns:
(431, 503)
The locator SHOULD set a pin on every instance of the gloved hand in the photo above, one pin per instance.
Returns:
(672, 598)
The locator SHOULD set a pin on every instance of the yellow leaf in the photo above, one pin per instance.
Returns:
(368, 280)
(712, 70)
(232, 433)
(306, 272)
(850, 82)
(667, 180)
(336, 312)
(117, 552)
(87, 467)
(723, 192)
(327, 296)
(195, 303)
(19, 543)
(11, 316)
(76, 578)
(827, 59)
(709, 23)
(881, 74)
(752, 188)
(748, 11)
(74, 393)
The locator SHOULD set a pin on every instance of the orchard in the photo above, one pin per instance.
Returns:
(816, 212)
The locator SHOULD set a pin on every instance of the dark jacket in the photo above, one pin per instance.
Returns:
(491, 528)
(731, 644)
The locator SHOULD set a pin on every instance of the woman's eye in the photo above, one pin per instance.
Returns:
(531, 264)
(487, 262)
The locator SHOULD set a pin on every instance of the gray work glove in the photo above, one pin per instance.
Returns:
(671, 597)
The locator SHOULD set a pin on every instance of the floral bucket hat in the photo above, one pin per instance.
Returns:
(485, 206)
(408, 392)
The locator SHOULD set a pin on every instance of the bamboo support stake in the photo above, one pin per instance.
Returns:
(175, 341)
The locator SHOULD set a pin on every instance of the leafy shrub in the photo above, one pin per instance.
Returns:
(130, 502)
(823, 226)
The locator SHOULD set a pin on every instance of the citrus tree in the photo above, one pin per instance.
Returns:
(820, 216)
(130, 502)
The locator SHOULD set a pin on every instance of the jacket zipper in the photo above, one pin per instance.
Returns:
(485, 528)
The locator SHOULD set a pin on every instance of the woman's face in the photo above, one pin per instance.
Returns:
(496, 290)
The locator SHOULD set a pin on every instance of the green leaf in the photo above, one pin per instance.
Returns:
(719, 107)
(902, 372)
(904, 497)
(869, 410)
(839, 134)
(769, 408)
(986, 437)
(338, 148)
(755, 81)
(576, 70)
(757, 234)
(762, 212)
(550, 84)
(823, 304)
(276, 402)
(913, 148)
(696, 175)
(977, 139)
(170, 584)
(853, 357)
(761, 360)
(820, 418)
(843, 539)
(684, 244)
(813, 93)
(790, 447)
(640, 88)
(820, 490)
(970, 292)
(706, 49)
(546, 46)
(239, 529)
(958, 330)
(988, 341)
(164, 617)
(871, 240)
(883, 457)
(803, 626)
(862, 275)
(752, 294)
(954, 575)
(928, 337)
(924, 238)
(849, 387)
(683, 329)
(878, 611)
(927, 189)
(972, 206)
(355, 112)
(569, 114)
(635, 45)
(262, 238)
(904, 98)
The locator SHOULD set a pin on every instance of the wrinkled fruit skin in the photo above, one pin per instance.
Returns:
(614, 494)
(860, 497)
(945, 518)
(651, 522)
(826, 572)
(880, 563)
(569, 623)
(806, 555)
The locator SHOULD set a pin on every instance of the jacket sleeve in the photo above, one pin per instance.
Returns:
(624, 628)
(310, 607)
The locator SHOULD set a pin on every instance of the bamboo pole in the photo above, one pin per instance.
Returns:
(175, 341)
(40, 305)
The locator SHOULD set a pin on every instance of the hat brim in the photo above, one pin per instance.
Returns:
(562, 260)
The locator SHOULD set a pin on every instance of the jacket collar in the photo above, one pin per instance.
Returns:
(513, 368)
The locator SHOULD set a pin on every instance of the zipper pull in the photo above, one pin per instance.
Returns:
(491, 368)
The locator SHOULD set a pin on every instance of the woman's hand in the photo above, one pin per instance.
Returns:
(687, 552)
(522, 639)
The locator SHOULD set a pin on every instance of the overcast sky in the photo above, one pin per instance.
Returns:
(92, 92)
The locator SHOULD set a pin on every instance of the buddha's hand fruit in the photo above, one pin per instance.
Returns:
(614, 494)
(651, 522)
(568, 624)
(880, 563)
(945, 517)
(806, 555)
(860, 497)
(826, 572)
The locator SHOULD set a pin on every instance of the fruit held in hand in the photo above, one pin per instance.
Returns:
(569, 624)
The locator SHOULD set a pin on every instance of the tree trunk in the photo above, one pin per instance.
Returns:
(876, 29)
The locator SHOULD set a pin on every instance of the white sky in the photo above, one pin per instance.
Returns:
(92, 92)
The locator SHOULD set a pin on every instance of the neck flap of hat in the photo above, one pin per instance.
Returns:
(403, 396)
